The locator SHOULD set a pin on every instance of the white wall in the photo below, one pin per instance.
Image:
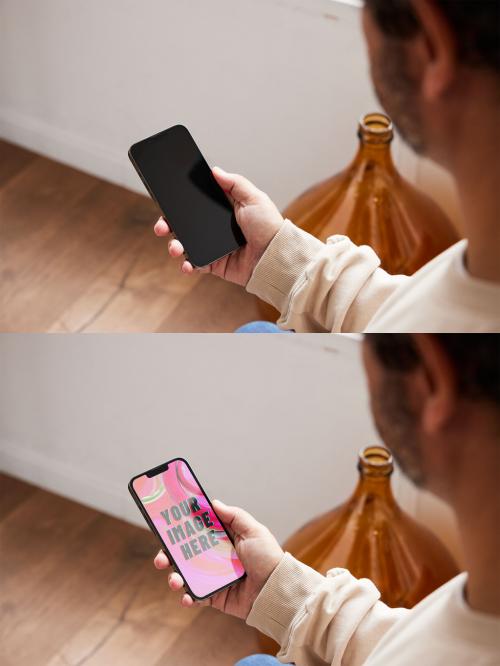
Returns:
(258, 416)
(273, 423)
(272, 88)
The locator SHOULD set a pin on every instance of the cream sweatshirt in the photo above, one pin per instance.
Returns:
(337, 619)
(338, 286)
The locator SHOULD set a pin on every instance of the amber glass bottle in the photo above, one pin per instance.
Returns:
(374, 538)
(374, 205)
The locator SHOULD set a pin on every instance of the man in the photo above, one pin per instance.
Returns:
(436, 69)
(436, 403)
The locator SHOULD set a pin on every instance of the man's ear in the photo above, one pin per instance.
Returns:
(441, 384)
(438, 49)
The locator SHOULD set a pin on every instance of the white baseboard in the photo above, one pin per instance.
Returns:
(67, 480)
(68, 148)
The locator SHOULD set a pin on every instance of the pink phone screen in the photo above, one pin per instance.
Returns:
(187, 524)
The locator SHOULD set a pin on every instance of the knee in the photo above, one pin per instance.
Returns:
(259, 327)
(258, 660)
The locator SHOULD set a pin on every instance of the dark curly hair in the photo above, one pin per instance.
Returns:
(476, 24)
(476, 357)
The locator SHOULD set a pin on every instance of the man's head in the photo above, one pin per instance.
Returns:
(429, 56)
(434, 399)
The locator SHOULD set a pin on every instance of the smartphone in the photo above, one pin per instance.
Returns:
(178, 511)
(179, 179)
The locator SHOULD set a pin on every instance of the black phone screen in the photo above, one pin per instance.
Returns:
(180, 181)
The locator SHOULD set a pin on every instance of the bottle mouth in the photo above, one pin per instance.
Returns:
(375, 128)
(375, 461)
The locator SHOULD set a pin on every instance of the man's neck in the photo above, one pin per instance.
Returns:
(475, 164)
(480, 195)
(466, 141)
(477, 506)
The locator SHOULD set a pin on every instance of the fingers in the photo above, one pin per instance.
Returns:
(187, 268)
(161, 228)
(175, 248)
(175, 582)
(187, 601)
(240, 522)
(161, 561)
(238, 187)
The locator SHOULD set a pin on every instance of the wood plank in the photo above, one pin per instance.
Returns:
(13, 160)
(79, 254)
(136, 626)
(35, 205)
(13, 492)
(79, 587)
(76, 558)
(35, 215)
(151, 287)
(34, 542)
(95, 230)
(212, 306)
(212, 639)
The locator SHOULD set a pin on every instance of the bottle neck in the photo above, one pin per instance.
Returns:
(375, 135)
(378, 486)
(375, 469)
(374, 153)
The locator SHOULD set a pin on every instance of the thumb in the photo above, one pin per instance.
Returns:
(239, 521)
(238, 187)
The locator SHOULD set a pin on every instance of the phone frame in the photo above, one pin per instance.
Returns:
(153, 197)
(154, 471)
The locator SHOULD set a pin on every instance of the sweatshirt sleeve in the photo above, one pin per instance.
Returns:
(335, 286)
(318, 620)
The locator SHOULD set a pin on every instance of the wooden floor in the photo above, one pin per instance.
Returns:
(79, 587)
(79, 254)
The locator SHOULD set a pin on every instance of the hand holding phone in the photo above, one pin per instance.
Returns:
(257, 216)
(179, 512)
(258, 551)
(205, 558)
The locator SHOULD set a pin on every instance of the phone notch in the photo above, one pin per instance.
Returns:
(157, 470)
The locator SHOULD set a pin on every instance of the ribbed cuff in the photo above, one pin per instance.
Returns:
(282, 264)
(282, 597)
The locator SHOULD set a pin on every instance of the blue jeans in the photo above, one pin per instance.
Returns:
(259, 660)
(260, 327)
